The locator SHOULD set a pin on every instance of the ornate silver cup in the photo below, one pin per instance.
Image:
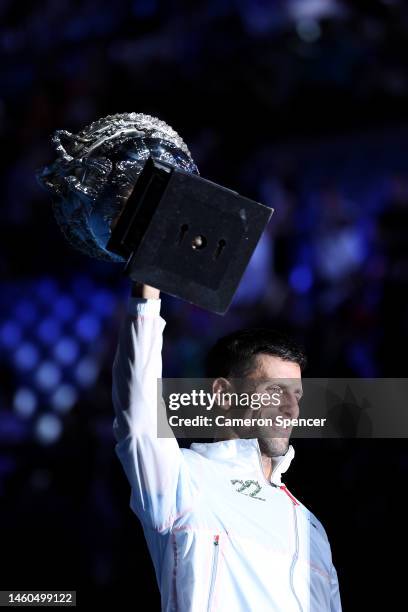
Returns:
(95, 172)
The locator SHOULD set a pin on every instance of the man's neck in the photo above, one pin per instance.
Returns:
(267, 466)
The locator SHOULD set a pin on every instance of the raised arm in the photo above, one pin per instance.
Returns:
(335, 601)
(161, 488)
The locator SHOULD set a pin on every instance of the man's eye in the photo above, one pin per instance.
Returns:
(276, 389)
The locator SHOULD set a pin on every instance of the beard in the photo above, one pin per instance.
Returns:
(273, 447)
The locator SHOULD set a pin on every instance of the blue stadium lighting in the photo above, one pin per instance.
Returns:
(46, 289)
(144, 8)
(82, 287)
(10, 334)
(26, 356)
(25, 402)
(103, 303)
(64, 398)
(308, 30)
(86, 371)
(66, 351)
(26, 312)
(64, 308)
(49, 330)
(301, 279)
(48, 429)
(87, 327)
(48, 375)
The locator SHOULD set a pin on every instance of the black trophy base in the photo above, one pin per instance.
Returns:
(187, 236)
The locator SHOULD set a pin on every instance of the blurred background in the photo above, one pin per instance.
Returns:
(299, 104)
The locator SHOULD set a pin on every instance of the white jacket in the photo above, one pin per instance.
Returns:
(220, 535)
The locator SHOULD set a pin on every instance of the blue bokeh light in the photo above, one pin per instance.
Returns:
(48, 428)
(46, 289)
(82, 287)
(87, 327)
(86, 371)
(64, 308)
(25, 402)
(26, 356)
(49, 330)
(66, 351)
(64, 398)
(308, 30)
(103, 303)
(48, 375)
(26, 312)
(144, 8)
(301, 279)
(10, 334)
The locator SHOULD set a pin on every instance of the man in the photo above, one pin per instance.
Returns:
(223, 532)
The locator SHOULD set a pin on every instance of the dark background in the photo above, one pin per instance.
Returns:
(300, 105)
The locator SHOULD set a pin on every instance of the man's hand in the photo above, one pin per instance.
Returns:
(145, 291)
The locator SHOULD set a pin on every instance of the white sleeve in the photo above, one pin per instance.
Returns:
(335, 603)
(161, 486)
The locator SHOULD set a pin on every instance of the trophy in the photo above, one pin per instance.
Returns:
(126, 189)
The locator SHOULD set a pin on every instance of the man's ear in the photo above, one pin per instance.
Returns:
(221, 386)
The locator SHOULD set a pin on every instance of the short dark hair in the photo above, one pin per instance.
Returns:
(234, 355)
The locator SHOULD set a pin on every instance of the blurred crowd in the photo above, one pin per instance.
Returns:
(298, 105)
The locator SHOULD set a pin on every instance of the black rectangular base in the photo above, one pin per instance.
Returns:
(187, 236)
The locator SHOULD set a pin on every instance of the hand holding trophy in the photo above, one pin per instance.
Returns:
(126, 189)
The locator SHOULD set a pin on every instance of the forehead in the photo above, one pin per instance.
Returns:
(270, 366)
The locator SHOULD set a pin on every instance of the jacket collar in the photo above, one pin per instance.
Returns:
(245, 453)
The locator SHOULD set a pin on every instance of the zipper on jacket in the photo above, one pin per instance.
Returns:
(216, 546)
(295, 503)
(295, 558)
(289, 494)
